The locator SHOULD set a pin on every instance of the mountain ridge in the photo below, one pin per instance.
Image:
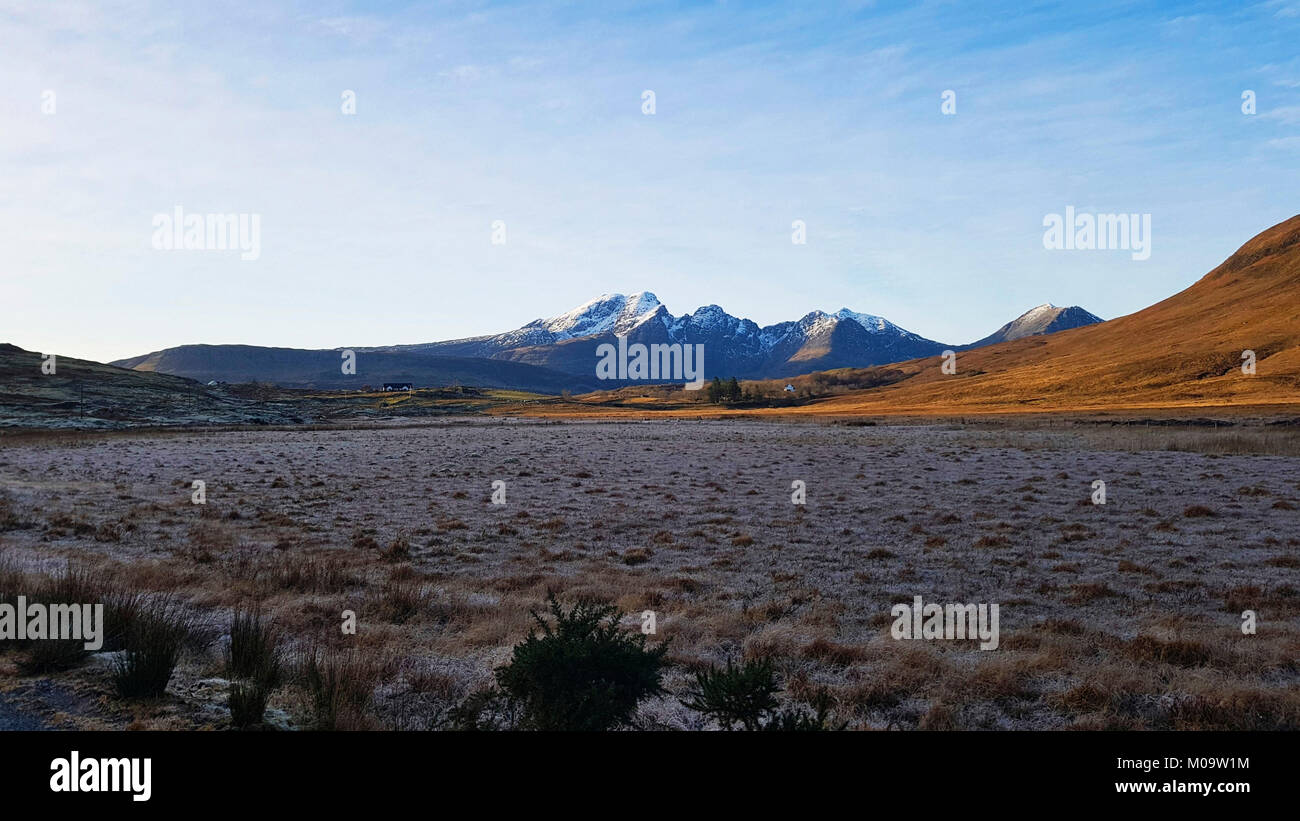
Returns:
(735, 346)
(557, 353)
(322, 368)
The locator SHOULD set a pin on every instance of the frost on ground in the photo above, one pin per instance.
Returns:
(1122, 615)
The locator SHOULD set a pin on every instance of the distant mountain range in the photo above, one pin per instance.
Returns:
(550, 355)
(1229, 341)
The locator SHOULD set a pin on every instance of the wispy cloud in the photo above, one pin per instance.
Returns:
(376, 226)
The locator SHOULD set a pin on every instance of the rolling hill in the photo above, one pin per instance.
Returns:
(1185, 351)
(84, 394)
(321, 369)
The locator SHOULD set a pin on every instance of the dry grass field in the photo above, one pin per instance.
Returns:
(1123, 615)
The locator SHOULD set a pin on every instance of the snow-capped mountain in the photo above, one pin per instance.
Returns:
(733, 346)
(1044, 319)
(606, 313)
(559, 353)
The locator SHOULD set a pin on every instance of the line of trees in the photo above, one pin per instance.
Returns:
(720, 391)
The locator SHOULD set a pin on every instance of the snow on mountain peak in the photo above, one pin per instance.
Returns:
(1039, 314)
(869, 321)
(643, 302)
(606, 313)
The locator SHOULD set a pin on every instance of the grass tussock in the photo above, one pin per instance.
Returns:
(154, 641)
(340, 686)
(1178, 652)
(253, 652)
(311, 574)
(52, 656)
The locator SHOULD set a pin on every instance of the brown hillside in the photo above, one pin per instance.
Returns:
(1182, 352)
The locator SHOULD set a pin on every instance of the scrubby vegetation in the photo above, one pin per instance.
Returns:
(744, 697)
(339, 686)
(253, 663)
(583, 672)
(1127, 615)
(154, 641)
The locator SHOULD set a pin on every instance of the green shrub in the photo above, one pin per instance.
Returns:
(582, 673)
(745, 696)
(735, 695)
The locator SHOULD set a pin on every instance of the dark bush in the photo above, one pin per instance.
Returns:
(582, 673)
(12, 579)
(735, 695)
(401, 601)
(745, 696)
(77, 584)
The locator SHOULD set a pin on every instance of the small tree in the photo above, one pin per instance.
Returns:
(715, 390)
(581, 673)
(733, 390)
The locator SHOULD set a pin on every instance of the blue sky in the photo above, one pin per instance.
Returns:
(376, 227)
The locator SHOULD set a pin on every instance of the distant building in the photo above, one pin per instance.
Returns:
(789, 388)
(397, 386)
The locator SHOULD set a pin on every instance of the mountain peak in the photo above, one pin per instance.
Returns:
(1042, 319)
(869, 321)
(606, 313)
